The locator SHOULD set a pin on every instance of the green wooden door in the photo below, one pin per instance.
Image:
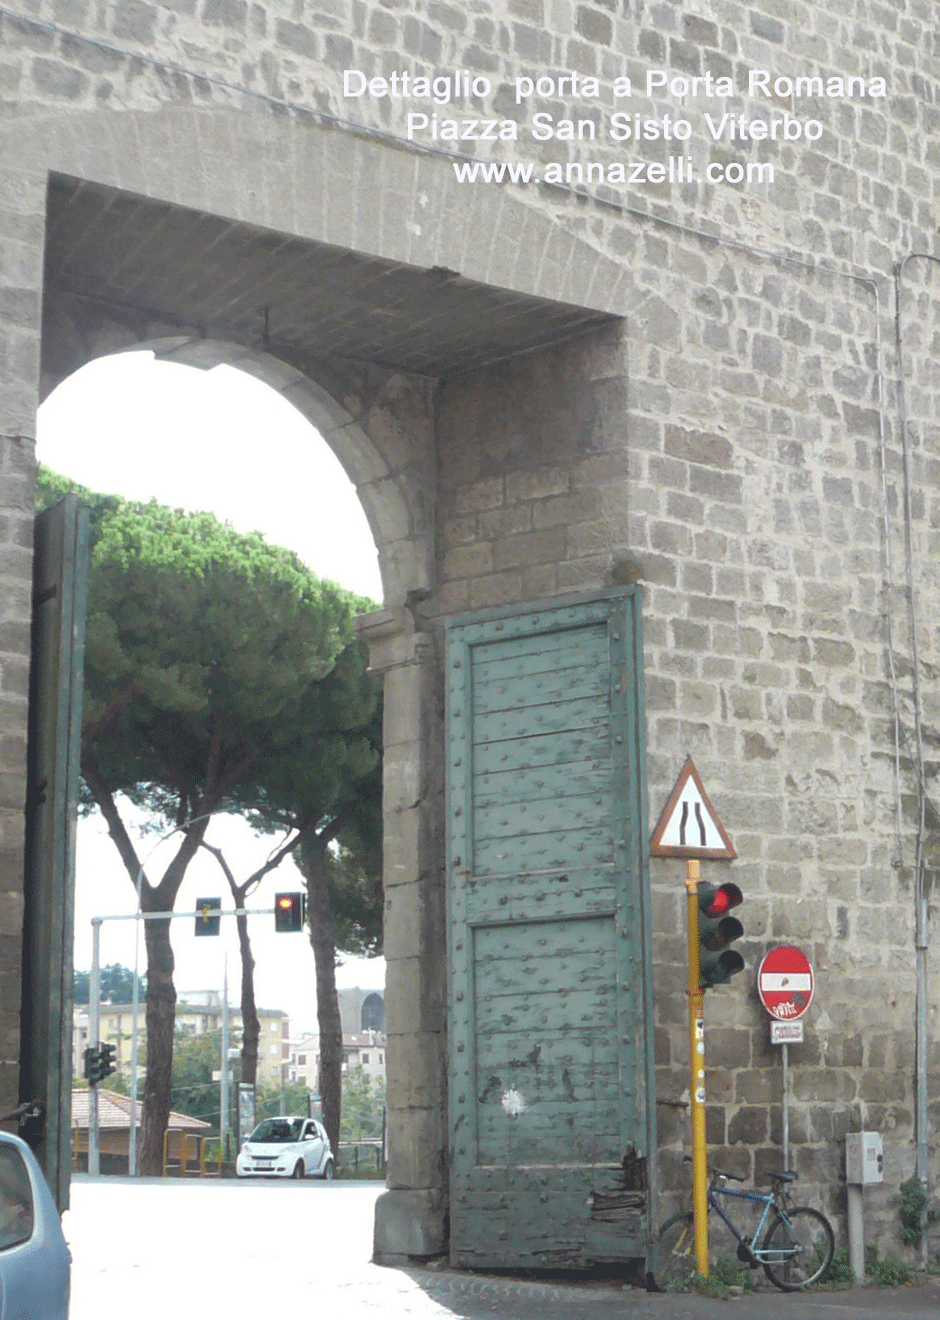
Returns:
(60, 577)
(550, 1036)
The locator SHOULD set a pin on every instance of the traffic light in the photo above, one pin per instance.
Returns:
(206, 924)
(716, 962)
(289, 913)
(99, 1063)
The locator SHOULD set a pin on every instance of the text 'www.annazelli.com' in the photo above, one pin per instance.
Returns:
(676, 169)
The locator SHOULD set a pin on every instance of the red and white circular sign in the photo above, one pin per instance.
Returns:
(785, 983)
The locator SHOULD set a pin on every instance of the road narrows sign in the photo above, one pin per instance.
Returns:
(689, 825)
(785, 982)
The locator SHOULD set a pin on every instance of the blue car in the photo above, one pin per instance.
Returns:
(34, 1259)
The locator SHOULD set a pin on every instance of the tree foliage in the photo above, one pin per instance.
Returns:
(272, 1101)
(363, 1105)
(116, 984)
(195, 1058)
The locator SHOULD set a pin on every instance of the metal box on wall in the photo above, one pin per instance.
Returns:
(864, 1158)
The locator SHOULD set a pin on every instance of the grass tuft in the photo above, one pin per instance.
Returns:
(892, 1272)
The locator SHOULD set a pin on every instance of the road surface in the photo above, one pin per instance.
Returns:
(157, 1249)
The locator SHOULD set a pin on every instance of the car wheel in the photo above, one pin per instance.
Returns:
(298, 1169)
(328, 1171)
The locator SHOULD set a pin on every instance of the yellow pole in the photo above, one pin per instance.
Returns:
(697, 1060)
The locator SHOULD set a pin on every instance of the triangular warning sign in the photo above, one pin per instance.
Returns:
(689, 825)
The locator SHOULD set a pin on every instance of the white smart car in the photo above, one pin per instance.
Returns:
(289, 1147)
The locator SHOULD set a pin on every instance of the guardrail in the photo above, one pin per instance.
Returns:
(211, 1157)
(372, 1146)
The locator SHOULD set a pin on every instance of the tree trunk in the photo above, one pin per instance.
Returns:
(161, 1023)
(161, 1003)
(320, 914)
(251, 1027)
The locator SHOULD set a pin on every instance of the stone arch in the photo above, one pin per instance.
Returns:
(391, 510)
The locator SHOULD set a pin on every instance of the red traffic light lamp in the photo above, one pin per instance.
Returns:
(716, 962)
(289, 913)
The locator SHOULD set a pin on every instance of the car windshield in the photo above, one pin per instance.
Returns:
(278, 1129)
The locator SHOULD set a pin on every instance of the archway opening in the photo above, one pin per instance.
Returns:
(221, 440)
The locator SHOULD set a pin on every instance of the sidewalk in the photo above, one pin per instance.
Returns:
(473, 1297)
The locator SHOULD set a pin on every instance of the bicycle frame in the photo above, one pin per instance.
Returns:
(766, 1199)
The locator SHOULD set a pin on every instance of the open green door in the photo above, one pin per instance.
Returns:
(550, 1024)
(60, 577)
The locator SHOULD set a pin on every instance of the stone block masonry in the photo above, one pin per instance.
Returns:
(749, 438)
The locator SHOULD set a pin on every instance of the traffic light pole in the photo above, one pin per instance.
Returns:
(94, 1027)
(697, 1079)
(223, 1080)
(94, 1019)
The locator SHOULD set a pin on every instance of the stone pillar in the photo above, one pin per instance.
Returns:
(411, 1215)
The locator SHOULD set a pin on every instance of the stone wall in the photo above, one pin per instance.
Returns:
(747, 498)
(737, 443)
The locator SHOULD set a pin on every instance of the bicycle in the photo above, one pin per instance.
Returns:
(794, 1244)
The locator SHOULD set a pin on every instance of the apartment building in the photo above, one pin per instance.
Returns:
(197, 1013)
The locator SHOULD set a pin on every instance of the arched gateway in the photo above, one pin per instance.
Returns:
(401, 314)
(706, 369)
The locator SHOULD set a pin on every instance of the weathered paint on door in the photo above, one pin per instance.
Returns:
(550, 1027)
(60, 576)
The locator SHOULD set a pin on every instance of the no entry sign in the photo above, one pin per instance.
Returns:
(785, 982)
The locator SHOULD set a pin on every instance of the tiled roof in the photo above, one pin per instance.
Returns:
(114, 1112)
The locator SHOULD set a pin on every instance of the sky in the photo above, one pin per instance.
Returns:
(135, 426)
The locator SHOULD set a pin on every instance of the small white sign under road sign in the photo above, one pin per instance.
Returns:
(689, 825)
(787, 1033)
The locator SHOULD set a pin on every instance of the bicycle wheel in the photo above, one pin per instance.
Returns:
(676, 1260)
(797, 1248)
